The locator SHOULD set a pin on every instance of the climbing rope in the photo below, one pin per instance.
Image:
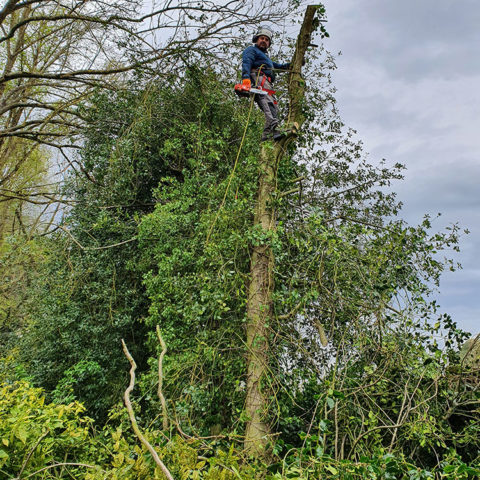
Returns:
(222, 204)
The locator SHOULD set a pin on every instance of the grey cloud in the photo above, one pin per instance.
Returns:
(411, 39)
(408, 83)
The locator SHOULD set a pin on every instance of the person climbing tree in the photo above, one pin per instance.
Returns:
(258, 68)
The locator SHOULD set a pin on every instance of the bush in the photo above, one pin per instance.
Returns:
(35, 434)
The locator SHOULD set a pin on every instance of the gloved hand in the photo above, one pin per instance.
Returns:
(247, 82)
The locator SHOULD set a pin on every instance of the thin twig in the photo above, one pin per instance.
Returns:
(79, 245)
(25, 462)
(57, 465)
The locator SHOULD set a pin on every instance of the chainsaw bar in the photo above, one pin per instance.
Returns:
(244, 91)
(258, 91)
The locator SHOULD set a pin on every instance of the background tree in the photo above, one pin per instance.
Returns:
(55, 56)
(54, 53)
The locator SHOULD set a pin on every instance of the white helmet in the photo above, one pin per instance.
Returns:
(263, 31)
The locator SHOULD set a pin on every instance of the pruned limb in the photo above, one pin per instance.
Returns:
(298, 179)
(289, 192)
(160, 379)
(321, 333)
(131, 415)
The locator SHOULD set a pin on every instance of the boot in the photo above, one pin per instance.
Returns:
(266, 135)
(278, 135)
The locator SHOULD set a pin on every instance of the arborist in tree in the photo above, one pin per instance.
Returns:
(258, 69)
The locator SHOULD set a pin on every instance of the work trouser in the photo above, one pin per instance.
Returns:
(266, 103)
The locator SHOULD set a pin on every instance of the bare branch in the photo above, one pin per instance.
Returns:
(94, 248)
(55, 465)
(160, 378)
(131, 415)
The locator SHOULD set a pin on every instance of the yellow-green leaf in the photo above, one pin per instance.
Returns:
(118, 459)
(331, 469)
(21, 434)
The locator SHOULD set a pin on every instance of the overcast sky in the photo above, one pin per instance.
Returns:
(408, 81)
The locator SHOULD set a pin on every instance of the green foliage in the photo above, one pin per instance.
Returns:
(185, 459)
(73, 340)
(82, 380)
(20, 257)
(58, 442)
(195, 255)
(35, 434)
(160, 233)
(305, 464)
(172, 146)
(89, 297)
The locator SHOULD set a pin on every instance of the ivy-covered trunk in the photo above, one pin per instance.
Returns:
(259, 304)
(260, 292)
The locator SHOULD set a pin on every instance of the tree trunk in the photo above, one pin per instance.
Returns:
(260, 292)
(259, 307)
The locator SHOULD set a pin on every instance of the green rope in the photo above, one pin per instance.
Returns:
(235, 164)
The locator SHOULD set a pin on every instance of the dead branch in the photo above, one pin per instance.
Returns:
(133, 420)
(160, 379)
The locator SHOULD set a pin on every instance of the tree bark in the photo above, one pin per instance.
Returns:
(260, 292)
(259, 307)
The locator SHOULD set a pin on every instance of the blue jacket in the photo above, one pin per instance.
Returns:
(253, 57)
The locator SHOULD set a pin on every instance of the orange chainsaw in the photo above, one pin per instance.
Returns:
(243, 90)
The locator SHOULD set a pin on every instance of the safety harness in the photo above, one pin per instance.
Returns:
(262, 83)
(244, 91)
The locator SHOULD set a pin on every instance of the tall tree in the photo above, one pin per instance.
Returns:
(166, 230)
(261, 284)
